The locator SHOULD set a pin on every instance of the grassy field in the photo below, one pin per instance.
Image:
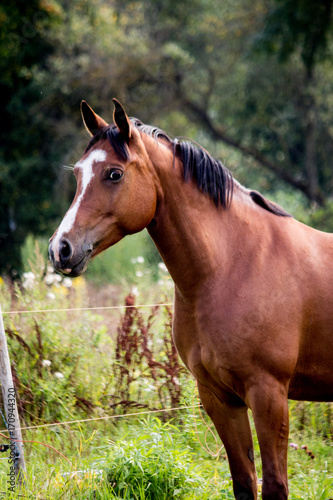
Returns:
(113, 364)
(152, 459)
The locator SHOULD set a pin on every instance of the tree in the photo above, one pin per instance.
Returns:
(31, 150)
(214, 64)
(24, 181)
(277, 119)
(305, 27)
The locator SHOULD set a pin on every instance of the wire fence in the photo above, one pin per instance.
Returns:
(108, 417)
(192, 407)
(98, 308)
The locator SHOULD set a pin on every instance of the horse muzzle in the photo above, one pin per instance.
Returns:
(69, 260)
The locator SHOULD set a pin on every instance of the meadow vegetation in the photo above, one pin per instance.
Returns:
(120, 366)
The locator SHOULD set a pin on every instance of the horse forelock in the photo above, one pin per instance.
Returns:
(115, 138)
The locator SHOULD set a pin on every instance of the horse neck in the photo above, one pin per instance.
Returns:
(193, 236)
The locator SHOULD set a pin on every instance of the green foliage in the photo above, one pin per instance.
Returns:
(322, 218)
(56, 359)
(315, 416)
(303, 25)
(25, 183)
(28, 252)
(119, 264)
(154, 464)
(58, 378)
(144, 371)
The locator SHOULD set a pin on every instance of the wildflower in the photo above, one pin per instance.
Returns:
(162, 267)
(140, 259)
(58, 375)
(135, 291)
(49, 279)
(50, 296)
(67, 282)
(138, 274)
(57, 279)
(28, 280)
(46, 362)
(294, 446)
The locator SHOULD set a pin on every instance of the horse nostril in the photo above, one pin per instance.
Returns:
(65, 251)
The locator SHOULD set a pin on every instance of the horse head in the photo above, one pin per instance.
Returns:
(116, 192)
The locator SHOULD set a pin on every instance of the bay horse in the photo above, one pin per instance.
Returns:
(253, 312)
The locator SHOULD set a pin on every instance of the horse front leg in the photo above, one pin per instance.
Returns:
(231, 421)
(269, 404)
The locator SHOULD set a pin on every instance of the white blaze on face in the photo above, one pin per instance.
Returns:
(87, 174)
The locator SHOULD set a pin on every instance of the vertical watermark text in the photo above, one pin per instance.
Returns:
(14, 455)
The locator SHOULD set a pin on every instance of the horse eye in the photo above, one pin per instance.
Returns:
(116, 175)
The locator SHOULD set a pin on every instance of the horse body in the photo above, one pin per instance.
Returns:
(243, 272)
(253, 316)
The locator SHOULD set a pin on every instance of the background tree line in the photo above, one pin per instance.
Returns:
(252, 80)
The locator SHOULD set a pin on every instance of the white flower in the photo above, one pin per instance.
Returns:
(50, 296)
(58, 375)
(49, 279)
(138, 274)
(162, 267)
(28, 280)
(46, 362)
(140, 259)
(135, 291)
(29, 275)
(67, 282)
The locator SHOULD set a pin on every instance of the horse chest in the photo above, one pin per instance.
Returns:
(205, 351)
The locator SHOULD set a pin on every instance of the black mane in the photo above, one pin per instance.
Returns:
(211, 176)
(112, 134)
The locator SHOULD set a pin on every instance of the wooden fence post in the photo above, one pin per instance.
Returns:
(9, 401)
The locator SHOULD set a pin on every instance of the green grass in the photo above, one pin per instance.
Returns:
(134, 460)
(150, 459)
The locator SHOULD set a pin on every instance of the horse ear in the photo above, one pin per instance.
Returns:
(91, 120)
(121, 120)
